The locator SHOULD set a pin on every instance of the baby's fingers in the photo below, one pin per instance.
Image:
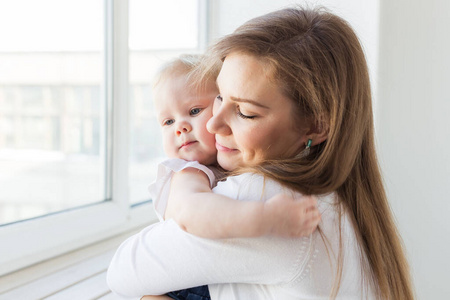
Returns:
(308, 202)
(311, 219)
(310, 225)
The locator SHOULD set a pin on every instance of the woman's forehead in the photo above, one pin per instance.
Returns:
(248, 77)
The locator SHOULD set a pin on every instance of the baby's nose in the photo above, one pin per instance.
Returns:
(183, 127)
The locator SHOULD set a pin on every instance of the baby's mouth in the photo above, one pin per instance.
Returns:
(187, 144)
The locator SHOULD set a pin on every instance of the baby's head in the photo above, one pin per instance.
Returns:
(183, 107)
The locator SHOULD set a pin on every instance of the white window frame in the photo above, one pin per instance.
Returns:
(32, 241)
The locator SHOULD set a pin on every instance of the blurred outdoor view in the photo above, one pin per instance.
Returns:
(52, 104)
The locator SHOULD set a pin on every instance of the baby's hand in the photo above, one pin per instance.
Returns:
(287, 216)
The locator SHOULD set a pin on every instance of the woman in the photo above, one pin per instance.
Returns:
(294, 111)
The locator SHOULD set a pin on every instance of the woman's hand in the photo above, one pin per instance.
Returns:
(287, 216)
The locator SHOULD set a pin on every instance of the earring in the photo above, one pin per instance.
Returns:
(307, 148)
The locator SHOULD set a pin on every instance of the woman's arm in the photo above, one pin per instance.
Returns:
(200, 212)
(163, 258)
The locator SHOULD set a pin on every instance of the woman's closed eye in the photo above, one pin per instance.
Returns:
(240, 114)
(238, 110)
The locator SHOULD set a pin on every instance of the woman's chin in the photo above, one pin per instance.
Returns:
(227, 163)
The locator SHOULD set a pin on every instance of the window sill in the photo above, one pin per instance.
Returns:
(80, 274)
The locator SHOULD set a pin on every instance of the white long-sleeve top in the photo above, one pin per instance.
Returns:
(163, 257)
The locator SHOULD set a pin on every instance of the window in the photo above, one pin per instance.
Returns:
(48, 158)
(148, 49)
(78, 136)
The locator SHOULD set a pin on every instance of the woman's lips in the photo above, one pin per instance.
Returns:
(221, 148)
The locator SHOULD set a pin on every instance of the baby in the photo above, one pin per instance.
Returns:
(183, 109)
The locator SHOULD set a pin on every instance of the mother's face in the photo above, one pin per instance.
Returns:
(252, 119)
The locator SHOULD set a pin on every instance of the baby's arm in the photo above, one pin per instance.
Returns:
(199, 211)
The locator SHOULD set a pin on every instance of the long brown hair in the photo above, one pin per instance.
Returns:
(319, 63)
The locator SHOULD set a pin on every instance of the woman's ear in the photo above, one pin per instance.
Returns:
(318, 133)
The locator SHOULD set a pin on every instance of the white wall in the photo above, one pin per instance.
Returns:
(408, 53)
(227, 15)
(414, 133)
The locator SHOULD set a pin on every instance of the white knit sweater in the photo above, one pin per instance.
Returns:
(163, 258)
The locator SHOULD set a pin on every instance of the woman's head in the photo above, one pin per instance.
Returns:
(308, 68)
(253, 119)
(314, 65)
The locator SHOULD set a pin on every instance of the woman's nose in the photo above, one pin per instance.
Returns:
(218, 124)
(183, 127)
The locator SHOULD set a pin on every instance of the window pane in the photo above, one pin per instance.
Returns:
(158, 32)
(50, 93)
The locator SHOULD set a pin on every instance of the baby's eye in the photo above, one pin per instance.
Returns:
(218, 97)
(169, 122)
(195, 111)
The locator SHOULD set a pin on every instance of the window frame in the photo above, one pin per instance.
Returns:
(31, 241)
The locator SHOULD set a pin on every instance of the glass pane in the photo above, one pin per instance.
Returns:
(50, 93)
(158, 32)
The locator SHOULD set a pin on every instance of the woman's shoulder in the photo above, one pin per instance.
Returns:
(250, 186)
(244, 178)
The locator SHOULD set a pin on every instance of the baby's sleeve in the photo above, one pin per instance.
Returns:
(160, 188)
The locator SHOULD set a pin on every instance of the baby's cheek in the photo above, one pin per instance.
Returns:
(208, 136)
(169, 149)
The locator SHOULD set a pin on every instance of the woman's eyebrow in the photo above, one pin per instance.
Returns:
(240, 100)
(236, 99)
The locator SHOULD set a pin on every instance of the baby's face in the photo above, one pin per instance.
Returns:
(182, 115)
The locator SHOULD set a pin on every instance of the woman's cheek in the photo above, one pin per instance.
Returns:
(251, 141)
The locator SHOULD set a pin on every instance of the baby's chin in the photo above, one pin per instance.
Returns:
(208, 161)
(201, 158)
